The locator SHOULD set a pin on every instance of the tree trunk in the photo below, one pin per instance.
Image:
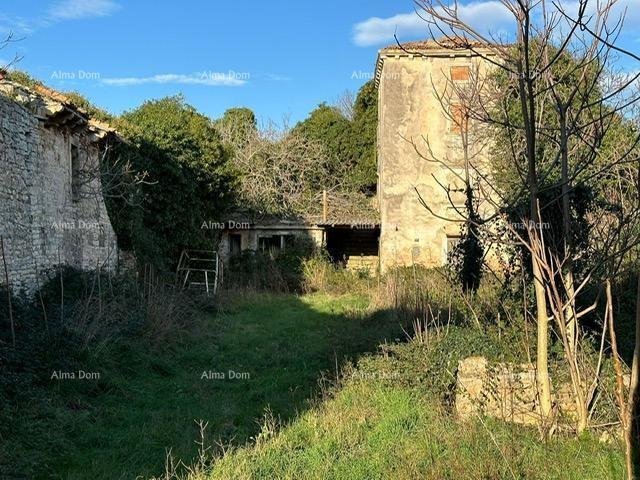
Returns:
(625, 419)
(634, 393)
(542, 366)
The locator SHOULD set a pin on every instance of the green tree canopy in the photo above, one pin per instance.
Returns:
(327, 125)
(509, 130)
(348, 143)
(365, 131)
(189, 180)
(596, 141)
(236, 125)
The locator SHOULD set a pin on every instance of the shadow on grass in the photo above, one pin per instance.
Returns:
(265, 353)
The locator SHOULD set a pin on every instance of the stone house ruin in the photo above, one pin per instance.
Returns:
(410, 114)
(347, 227)
(52, 212)
(52, 209)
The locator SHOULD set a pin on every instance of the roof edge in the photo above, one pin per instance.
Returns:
(430, 48)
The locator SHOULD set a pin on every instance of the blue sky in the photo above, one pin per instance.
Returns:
(278, 57)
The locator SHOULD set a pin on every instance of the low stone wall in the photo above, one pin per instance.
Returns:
(363, 262)
(503, 390)
(508, 392)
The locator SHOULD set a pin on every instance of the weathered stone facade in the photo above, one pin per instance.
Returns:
(413, 127)
(52, 209)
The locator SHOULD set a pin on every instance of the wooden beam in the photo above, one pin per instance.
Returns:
(325, 206)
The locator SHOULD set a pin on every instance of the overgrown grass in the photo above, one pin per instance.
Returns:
(388, 415)
(392, 414)
(370, 431)
(387, 420)
(150, 393)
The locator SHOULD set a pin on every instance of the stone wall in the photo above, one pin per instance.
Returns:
(42, 222)
(502, 390)
(363, 263)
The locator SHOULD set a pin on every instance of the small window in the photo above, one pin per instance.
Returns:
(459, 118)
(102, 237)
(75, 173)
(460, 73)
(235, 244)
(452, 242)
(271, 244)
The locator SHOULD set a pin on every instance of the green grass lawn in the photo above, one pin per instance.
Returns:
(147, 399)
(391, 418)
(372, 430)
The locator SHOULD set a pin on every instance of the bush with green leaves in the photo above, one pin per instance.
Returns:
(281, 271)
(189, 180)
(349, 143)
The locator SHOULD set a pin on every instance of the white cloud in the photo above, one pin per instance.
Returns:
(487, 16)
(211, 79)
(79, 9)
(60, 11)
(376, 30)
(14, 24)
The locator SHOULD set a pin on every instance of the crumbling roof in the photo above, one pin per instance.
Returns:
(55, 108)
(444, 46)
(347, 208)
(342, 209)
(443, 43)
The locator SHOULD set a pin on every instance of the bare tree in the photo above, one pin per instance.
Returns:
(280, 170)
(107, 175)
(617, 235)
(9, 39)
(345, 104)
(556, 69)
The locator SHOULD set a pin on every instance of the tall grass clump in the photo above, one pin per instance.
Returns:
(434, 297)
(76, 321)
(324, 276)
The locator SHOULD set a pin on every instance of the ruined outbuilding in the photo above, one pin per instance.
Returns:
(52, 209)
(347, 226)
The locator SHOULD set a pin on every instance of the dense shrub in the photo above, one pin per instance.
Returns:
(188, 180)
(275, 271)
(429, 363)
(78, 321)
(75, 317)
